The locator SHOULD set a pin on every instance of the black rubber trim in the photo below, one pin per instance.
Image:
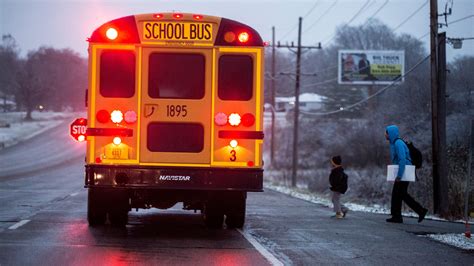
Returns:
(235, 134)
(122, 132)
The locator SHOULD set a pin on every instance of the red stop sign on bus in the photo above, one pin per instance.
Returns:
(78, 129)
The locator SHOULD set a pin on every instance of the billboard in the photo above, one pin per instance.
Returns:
(370, 67)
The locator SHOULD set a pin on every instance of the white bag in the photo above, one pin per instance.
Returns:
(408, 175)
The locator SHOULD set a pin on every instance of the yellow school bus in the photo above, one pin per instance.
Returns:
(174, 116)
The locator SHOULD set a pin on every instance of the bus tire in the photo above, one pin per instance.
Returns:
(213, 215)
(96, 212)
(118, 217)
(235, 214)
(118, 208)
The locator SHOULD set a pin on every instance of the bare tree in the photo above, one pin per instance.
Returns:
(8, 66)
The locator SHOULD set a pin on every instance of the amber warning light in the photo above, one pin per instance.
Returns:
(78, 129)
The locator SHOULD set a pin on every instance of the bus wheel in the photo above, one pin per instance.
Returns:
(213, 215)
(96, 212)
(118, 208)
(235, 214)
(118, 217)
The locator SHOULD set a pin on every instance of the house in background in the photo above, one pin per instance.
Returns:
(308, 102)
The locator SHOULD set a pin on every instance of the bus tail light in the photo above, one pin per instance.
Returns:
(130, 117)
(248, 120)
(103, 116)
(234, 119)
(220, 119)
(233, 143)
(116, 116)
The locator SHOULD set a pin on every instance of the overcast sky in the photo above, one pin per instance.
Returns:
(67, 23)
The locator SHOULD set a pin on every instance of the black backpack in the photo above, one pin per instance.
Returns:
(344, 178)
(415, 154)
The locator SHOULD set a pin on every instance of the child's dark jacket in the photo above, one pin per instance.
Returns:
(338, 180)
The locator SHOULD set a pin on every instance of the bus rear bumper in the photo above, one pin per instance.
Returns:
(209, 179)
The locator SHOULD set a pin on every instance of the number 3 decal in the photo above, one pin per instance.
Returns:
(233, 156)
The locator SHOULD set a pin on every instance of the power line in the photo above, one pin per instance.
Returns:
(322, 16)
(461, 19)
(353, 18)
(395, 82)
(450, 23)
(296, 25)
(410, 16)
(312, 8)
(376, 12)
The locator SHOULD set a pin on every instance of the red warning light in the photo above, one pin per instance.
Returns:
(111, 33)
(197, 17)
(243, 37)
(248, 120)
(103, 116)
(158, 16)
(177, 15)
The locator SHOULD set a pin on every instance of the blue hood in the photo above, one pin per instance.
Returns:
(392, 132)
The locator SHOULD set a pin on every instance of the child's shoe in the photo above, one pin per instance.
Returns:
(339, 215)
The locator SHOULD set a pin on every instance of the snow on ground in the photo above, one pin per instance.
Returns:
(457, 240)
(14, 129)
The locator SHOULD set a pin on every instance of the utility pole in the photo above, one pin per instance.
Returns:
(297, 97)
(294, 171)
(272, 143)
(438, 109)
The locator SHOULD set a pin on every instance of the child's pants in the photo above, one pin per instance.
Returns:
(338, 207)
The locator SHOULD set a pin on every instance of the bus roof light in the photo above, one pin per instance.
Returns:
(158, 16)
(197, 17)
(229, 37)
(177, 15)
(111, 33)
(243, 37)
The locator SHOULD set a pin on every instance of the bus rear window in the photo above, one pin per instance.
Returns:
(235, 80)
(175, 137)
(117, 74)
(176, 76)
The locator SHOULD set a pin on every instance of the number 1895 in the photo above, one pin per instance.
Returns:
(176, 111)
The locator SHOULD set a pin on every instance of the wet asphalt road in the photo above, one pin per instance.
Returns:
(41, 180)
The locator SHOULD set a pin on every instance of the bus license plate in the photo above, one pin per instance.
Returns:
(177, 31)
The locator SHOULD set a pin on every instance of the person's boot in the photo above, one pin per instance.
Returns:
(397, 220)
(422, 215)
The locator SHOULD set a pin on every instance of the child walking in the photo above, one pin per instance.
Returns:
(338, 182)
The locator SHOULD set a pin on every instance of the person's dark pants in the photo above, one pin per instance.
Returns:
(399, 194)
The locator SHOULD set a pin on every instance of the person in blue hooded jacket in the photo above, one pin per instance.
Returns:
(400, 155)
